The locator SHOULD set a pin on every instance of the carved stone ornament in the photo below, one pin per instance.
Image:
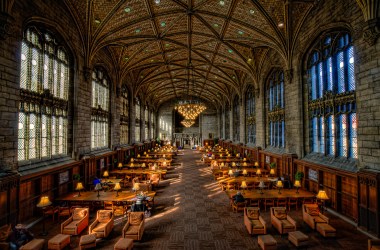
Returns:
(288, 75)
(86, 73)
(372, 32)
(5, 25)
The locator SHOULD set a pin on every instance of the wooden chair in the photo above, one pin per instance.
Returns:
(308, 200)
(239, 206)
(50, 210)
(254, 223)
(254, 202)
(281, 202)
(103, 224)
(292, 202)
(108, 205)
(63, 212)
(119, 208)
(268, 202)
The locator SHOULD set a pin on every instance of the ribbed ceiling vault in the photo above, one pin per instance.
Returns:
(168, 49)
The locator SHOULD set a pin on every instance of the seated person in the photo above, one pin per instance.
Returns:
(139, 206)
(19, 236)
(238, 197)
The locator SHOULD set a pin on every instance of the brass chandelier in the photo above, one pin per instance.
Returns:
(190, 108)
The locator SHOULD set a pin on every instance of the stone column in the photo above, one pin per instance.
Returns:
(242, 120)
(223, 113)
(132, 125)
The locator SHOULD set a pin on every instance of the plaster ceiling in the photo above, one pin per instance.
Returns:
(171, 48)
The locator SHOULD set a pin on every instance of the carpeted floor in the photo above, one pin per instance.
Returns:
(193, 213)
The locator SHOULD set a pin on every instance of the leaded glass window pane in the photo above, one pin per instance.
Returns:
(334, 117)
(37, 123)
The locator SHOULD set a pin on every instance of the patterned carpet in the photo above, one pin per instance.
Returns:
(192, 212)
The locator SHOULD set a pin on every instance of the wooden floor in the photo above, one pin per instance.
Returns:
(193, 213)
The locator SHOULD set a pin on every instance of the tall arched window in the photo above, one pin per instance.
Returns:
(152, 125)
(124, 117)
(332, 106)
(138, 120)
(44, 84)
(236, 117)
(146, 125)
(227, 122)
(100, 109)
(276, 110)
(250, 114)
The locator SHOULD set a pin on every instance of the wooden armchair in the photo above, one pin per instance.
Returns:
(103, 224)
(154, 180)
(254, 223)
(63, 212)
(75, 224)
(311, 215)
(281, 220)
(134, 229)
(373, 244)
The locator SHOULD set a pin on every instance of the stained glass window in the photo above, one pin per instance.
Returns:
(227, 122)
(332, 106)
(236, 117)
(138, 120)
(44, 84)
(152, 125)
(250, 114)
(276, 110)
(100, 109)
(124, 117)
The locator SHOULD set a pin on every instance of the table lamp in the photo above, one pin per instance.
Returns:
(220, 155)
(143, 165)
(279, 186)
(44, 202)
(79, 188)
(322, 196)
(244, 159)
(245, 164)
(164, 156)
(222, 164)
(117, 188)
(229, 155)
(234, 164)
(120, 165)
(271, 172)
(261, 186)
(245, 172)
(132, 160)
(136, 187)
(297, 185)
(138, 155)
(106, 174)
(243, 185)
(164, 164)
(258, 172)
(98, 187)
(145, 153)
(238, 155)
(230, 173)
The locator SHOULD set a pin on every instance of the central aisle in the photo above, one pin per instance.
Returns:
(193, 213)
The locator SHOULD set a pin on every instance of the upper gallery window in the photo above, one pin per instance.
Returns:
(236, 117)
(332, 105)
(44, 84)
(100, 109)
(276, 110)
(250, 115)
(124, 117)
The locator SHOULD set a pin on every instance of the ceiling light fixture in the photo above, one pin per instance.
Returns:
(222, 3)
(251, 11)
(127, 9)
(157, 1)
(281, 24)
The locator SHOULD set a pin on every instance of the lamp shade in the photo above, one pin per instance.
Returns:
(143, 165)
(279, 184)
(243, 184)
(164, 164)
(120, 165)
(221, 155)
(44, 202)
(258, 172)
(132, 160)
(105, 174)
(145, 153)
(98, 187)
(132, 164)
(237, 155)
(228, 155)
(244, 159)
(138, 156)
(256, 164)
(136, 186)
(164, 156)
(222, 164)
(322, 195)
(245, 164)
(230, 172)
(271, 171)
(234, 164)
(245, 172)
(79, 186)
(117, 186)
(297, 183)
(261, 184)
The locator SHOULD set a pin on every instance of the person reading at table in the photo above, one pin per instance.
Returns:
(238, 197)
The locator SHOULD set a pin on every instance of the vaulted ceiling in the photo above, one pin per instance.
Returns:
(166, 49)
